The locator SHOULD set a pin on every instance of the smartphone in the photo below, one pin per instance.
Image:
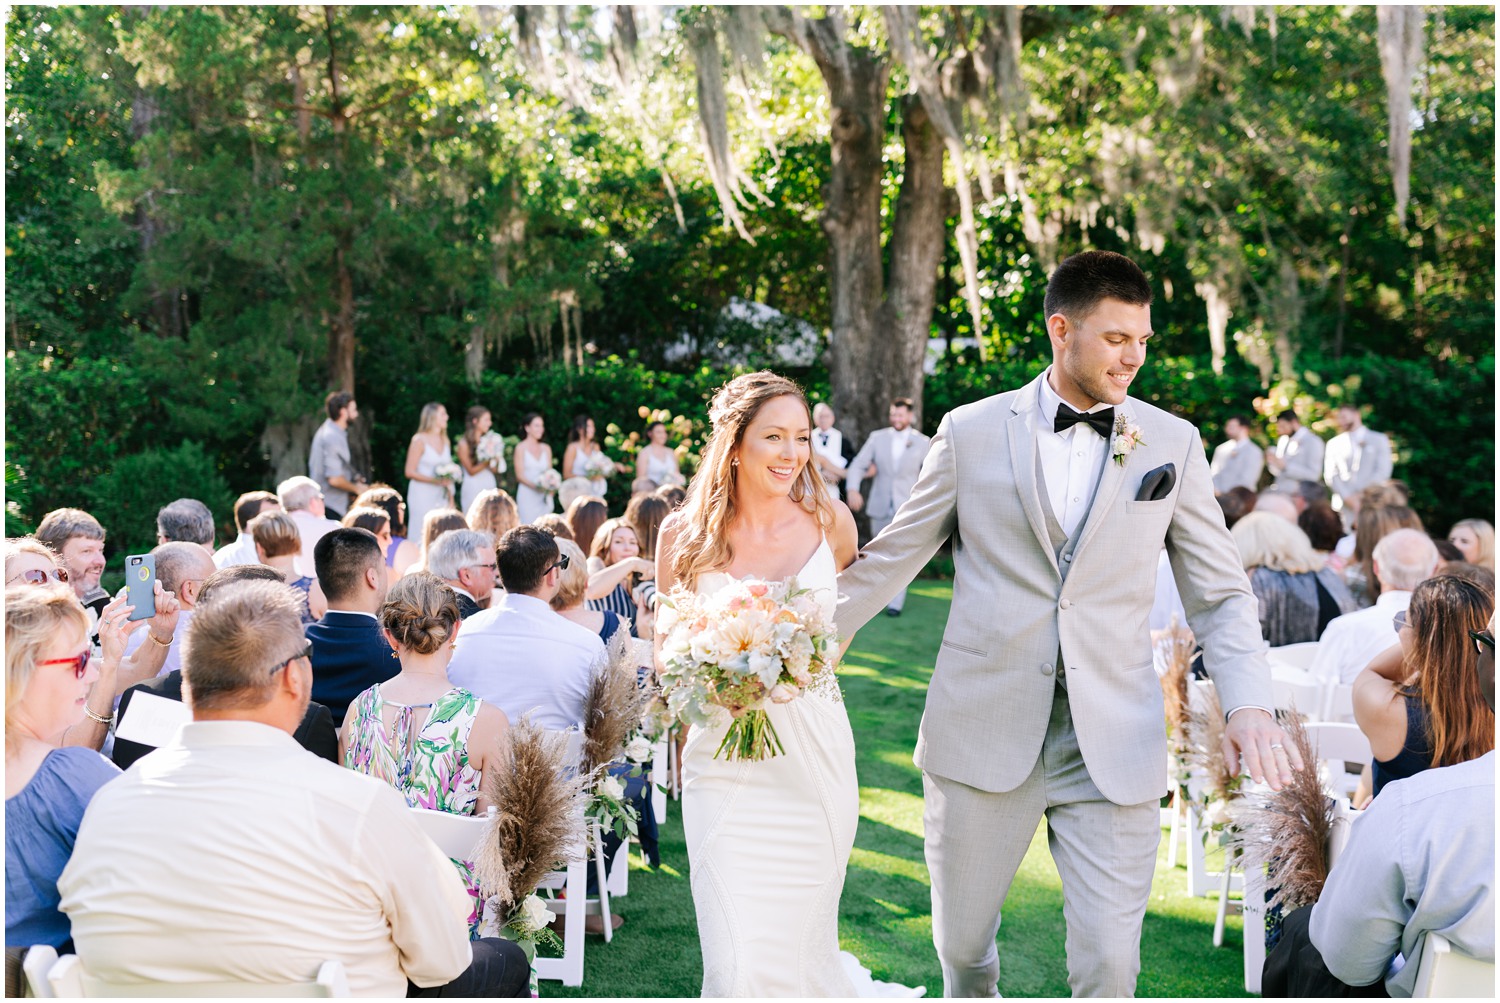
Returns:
(140, 585)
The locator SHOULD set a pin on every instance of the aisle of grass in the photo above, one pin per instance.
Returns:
(885, 913)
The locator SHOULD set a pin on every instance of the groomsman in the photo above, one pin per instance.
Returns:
(1356, 458)
(896, 453)
(1237, 463)
(1298, 453)
(831, 451)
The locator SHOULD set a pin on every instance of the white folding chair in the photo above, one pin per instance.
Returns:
(660, 775)
(458, 836)
(1294, 689)
(1443, 972)
(69, 979)
(1298, 656)
(1338, 703)
(572, 882)
(1334, 744)
(37, 963)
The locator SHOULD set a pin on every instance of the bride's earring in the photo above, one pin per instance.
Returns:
(734, 462)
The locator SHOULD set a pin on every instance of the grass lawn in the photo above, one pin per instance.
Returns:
(885, 916)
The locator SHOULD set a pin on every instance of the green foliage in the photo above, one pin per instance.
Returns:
(126, 499)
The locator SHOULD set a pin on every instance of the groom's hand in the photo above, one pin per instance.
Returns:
(1254, 744)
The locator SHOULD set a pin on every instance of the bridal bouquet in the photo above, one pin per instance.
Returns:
(598, 465)
(550, 482)
(491, 451)
(724, 655)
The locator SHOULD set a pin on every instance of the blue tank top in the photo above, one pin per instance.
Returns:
(1416, 753)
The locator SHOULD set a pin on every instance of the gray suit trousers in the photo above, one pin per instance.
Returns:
(1105, 854)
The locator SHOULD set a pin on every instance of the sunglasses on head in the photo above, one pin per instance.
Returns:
(80, 662)
(36, 576)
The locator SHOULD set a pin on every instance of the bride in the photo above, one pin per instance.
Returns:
(768, 842)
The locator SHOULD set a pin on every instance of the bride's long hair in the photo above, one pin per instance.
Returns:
(710, 509)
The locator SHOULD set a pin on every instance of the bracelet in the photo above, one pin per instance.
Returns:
(165, 644)
(95, 717)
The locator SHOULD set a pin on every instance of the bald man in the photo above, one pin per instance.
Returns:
(181, 568)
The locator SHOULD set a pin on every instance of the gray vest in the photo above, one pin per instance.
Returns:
(1063, 545)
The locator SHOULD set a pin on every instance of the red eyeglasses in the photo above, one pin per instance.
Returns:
(80, 662)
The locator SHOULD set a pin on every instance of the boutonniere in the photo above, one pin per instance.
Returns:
(1127, 436)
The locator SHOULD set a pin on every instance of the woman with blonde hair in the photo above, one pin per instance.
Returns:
(758, 508)
(494, 512)
(1476, 539)
(30, 561)
(434, 742)
(572, 589)
(429, 455)
(50, 679)
(1296, 593)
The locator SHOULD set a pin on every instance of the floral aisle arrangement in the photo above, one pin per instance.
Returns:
(612, 712)
(1175, 651)
(726, 654)
(1206, 763)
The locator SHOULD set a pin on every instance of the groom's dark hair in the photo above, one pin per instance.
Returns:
(1080, 282)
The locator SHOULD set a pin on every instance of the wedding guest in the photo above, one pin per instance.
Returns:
(896, 453)
(585, 516)
(584, 458)
(328, 460)
(831, 451)
(493, 512)
(1446, 550)
(1277, 503)
(1297, 595)
(1237, 503)
(673, 494)
(1402, 560)
(437, 522)
(428, 456)
(276, 862)
(77, 538)
(1298, 453)
(1476, 539)
(246, 507)
(186, 520)
(1324, 530)
(1373, 524)
(401, 553)
(1483, 577)
(572, 489)
(181, 568)
(657, 462)
(572, 587)
(315, 733)
(519, 655)
(464, 559)
(28, 561)
(49, 671)
(554, 524)
(532, 461)
(302, 499)
(434, 742)
(349, 654)
(642, 486)
(376, 520)
(277, 545)
(645, 514)
(479, 475)
(1424, 708)
(1238, 461)
(1354, 459)
(614, 559)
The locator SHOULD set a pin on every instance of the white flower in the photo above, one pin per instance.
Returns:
(610, 788)
(534, 913)
(1216, 814)
(1123, 445)
(638, 749)
(784, 693)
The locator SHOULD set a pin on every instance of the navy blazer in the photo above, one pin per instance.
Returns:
(349, 655)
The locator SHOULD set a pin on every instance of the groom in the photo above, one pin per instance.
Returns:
(1059, 498)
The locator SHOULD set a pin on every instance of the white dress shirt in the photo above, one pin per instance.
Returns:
(1303, 453)
(1350, 641)
(241, 551)
(1072, 461)
(312, 528)
(526, 658)
(830, 446)
(233, 854)
(899, 441)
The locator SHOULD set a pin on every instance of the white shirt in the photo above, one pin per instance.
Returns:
(233, 854)
(312, 529)
(525, 658)
(173, 661)
(830, 445)
(1350, 641)
(241, 551)
(899, 441)
(1303, 453)
(1072, 461)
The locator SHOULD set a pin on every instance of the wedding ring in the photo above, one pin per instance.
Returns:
(1275, 745)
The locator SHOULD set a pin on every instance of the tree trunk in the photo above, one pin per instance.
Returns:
(166, 304)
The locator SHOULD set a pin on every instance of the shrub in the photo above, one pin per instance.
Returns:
(126, 499)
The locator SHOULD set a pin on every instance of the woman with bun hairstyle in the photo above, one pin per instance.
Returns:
(432, 741)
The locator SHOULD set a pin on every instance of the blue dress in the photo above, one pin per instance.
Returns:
(41, 825)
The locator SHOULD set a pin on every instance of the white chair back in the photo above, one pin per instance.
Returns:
(1295, 690)
(456, 835)
(1297, 656)
(1339, 703)
(1334, 744)
(69, 980)
(37, 963)
(1443, 972)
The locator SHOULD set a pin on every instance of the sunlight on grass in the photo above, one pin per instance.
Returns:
(892, 808)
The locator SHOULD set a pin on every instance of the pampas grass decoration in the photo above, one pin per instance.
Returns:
(539, 801)
(1178, 649)
(1205, 745)
(613, 707)
(1288, 829)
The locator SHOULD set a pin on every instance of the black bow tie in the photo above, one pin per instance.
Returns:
(1102, 422)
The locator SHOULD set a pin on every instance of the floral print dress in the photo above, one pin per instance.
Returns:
(428, 765)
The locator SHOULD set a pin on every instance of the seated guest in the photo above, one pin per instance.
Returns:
(302, 499)
(555, 524)
(48, 674)
(28, 561)
(1277, 503)
(246, 507)
(316, 733)
(614, 563)
(1475, 539)
(432, 741)
(1424, 708)
(519, 655)
(465, 560)
(493, 512)
(1373, 524)
(1386, 894)
(435, 524)
(1296, 594)
(376, 520)
(585, 516)
(181, 568)
(278, 544)
(571, 588)
(1401, 561)
(1483, 577)
(1237, 503)
(1324, 528)
(673, 494)
(400, 553)
(186, 520)
(572, 489)
(233, 855)
(349, 653)
(77, 538)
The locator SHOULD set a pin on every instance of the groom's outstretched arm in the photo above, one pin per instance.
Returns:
(919, 528)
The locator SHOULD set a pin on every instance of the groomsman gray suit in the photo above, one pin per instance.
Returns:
(897, 456)
(1044, 700)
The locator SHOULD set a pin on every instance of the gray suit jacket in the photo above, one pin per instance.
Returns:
(991, 691)
(893, 482)
(1349, 469)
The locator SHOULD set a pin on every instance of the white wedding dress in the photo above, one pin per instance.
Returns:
(768, 842)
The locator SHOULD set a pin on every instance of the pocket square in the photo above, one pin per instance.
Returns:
(1158, 483)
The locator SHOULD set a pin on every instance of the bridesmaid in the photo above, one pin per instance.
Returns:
(479, 475)
(532, 459)
(582, 449)
(656, 461)
(428, 451)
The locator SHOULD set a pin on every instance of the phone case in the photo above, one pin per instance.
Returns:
(140, 585)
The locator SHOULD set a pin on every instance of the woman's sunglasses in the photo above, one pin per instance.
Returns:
(36, 576)
(1483, 639)
(80, 662)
